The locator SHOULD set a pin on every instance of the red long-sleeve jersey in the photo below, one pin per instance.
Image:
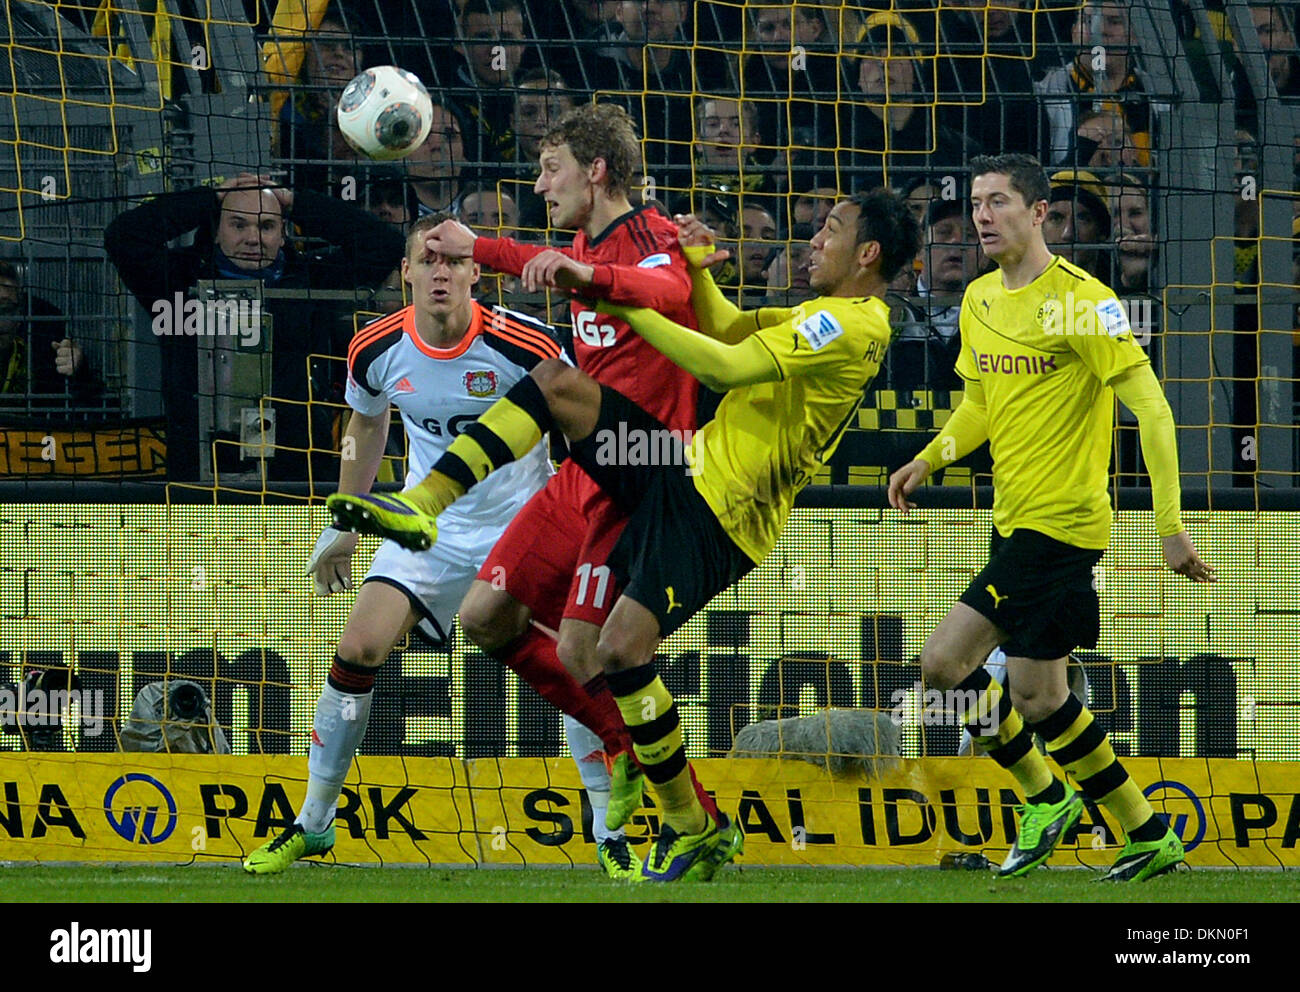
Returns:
(636, 261)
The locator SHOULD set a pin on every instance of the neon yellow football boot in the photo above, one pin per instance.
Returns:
(615, 857)
(391, 515)
(1042, 825)
(1141, 860)
(276, 855)
(675, 857)
(626, 790)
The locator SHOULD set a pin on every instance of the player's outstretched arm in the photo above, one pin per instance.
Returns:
(966, 430)
(718, 366)
(662, 285)
(454, 240)
(718, 316)
(1139, 390)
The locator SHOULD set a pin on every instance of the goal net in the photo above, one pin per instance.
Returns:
(161, 489)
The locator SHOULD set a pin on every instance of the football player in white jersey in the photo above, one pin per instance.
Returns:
(441, 361)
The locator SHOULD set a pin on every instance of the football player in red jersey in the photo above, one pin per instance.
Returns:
(441, 360)
(549, 568)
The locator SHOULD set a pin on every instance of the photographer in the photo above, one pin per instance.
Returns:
(36, 708)
(175, 717)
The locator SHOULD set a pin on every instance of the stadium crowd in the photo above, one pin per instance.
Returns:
(755, 118)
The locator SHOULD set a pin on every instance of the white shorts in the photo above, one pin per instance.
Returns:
(436, 580)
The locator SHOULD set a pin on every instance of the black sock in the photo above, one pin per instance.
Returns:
(1054, 793)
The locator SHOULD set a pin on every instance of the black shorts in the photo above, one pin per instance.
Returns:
(673, 557)
(1040, 591)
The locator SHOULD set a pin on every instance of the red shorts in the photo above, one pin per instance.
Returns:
(552, 557)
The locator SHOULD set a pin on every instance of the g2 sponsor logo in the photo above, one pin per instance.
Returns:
(454, 426)
(591, 333)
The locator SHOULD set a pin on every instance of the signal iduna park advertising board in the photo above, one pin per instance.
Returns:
(532, 811)
(1196, 684)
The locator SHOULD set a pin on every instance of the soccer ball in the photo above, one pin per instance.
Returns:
(385, 113)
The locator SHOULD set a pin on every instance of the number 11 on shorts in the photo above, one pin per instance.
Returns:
(586, 572)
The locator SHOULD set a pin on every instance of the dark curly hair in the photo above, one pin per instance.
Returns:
(883, 216)
(604, 131)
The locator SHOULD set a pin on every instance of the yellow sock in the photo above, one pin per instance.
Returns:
(1082, 749)
(986, 707)
(509, 429)
(651, 717)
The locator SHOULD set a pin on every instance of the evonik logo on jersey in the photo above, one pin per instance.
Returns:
(1014, 364)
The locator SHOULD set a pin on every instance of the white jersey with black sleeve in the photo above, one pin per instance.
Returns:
(438, 392)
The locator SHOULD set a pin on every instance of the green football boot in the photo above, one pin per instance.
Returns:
(1042, 825)
(1141, 860)
(626, 790)
(730, 845)
(675, 857)
(615, 857)
(276, 855)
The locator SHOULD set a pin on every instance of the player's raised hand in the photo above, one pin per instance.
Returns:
(67, 356)
(1181, 556)
(553, 269)
(694, 233)
(330, 564)
(452, 239)
(904, 482)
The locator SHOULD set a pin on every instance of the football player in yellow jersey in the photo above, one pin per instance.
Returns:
(703, 511)
(1045, 349)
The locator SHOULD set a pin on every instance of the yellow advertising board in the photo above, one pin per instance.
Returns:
(835, 616)
(532, 811)
(130, 451)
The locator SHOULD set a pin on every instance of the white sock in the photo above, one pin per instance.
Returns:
(340, 724)
(589, 755)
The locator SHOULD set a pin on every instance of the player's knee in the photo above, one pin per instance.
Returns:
(577, 654)
(939, 667)
(618, 650)
(1033, 703)
(359, 648)
(487, 628)
(569, 393)
(489, 622)
(553, 378)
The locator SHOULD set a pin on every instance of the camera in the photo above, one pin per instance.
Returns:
(186, 701)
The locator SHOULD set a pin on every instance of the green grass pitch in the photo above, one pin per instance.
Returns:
(318, 883)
